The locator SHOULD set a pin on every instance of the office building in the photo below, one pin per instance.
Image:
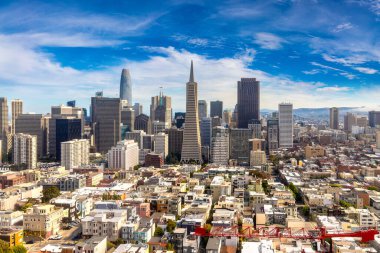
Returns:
(239, 144)
(227, 117)
(65, 123)
(220, 146)
(161, 109)
(362, 122)
(4, 125)
(155, 160)
(16, 110)
(175, 139)
(191, 146)
(138, 108)
(349, 121)
(148, 141)
(142, 122)
(71, 103)
(257, 155)
(75, 153)
(25, 150)
(106, 119)
(255, 125)
(127, 115)
(35, 124)
(216, 109)
(285, 125)
(334, 118)
(216, 121)
(126, 86)
(202, 109)
(158, 127)
(248, 101)
(161, 144)
(179, 119)
(137, 136)
(378, 140)
(125, 155)
(272, 135)
(373, 118)
(206, 131)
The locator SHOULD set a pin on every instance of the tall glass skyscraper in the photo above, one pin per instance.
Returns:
(126, 86)
(248, 101)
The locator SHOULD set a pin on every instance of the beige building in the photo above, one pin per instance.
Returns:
(25, 150)
(314, 151)
(75, 153)
(16, 110)
(161, 146)
(44, 219)
(124, 156)
(219, 187)
(96, 244)
(258, 158)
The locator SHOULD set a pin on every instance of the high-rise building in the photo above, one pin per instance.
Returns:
(206, 131)
(220, 146)
(191, 146)
(25, 150)
(161, 109)
(142, 122)
(378, 139)
(106, 119)
(127, 115)
(257, 155)
(255, 125)
(239, 144)
(65, 123)
(4, 125)
(175, 138)
(125, 155)
(126, 86)
(71, 103)
(227, 117)
(216, 109)
(248, 105)
(272, 135)
(34, 124)
(349, 121)
(362, 121)
(75, 153)
(137, 136)
(285, 125)
(179, 118)
(158, 127)
(373, 118)
(202, 109)
(148, 141)
(16, 110)
(216, 121)
(161, 144)
(138, 108)
(334, 118)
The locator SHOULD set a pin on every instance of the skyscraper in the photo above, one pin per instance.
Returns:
(373, 118)
(75, 153)
(126, 86)
(248, 105)
(202, 107)
(349, 121)
(106, 119)
(334, 118)
(161, 109)
(206, 131)
(191, 147)
(142, 122)
(220, 146)
(272, 134)
(16, 110)
(285, 125)
(216, 109)
(25, 150)
(4, 125)
(138, 108)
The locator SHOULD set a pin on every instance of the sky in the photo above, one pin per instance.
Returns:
(312, 53)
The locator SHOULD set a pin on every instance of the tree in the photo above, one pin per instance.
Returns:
(265, 186)
(306, 210)
(50, 193)
(19, 249)
(110, 245)
(159, 232)
(345, 204)
(4, 247)
(171, 226)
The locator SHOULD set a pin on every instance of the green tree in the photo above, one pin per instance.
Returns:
(345, 204)
(306, 210)
(159, 232)
(19, 249)
(373, 188)
(49, 193)
(118, 242)
(171, 226)
(170, 246)
(4, 247)
(265, 186)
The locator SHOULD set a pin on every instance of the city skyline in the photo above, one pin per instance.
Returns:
(76, 49)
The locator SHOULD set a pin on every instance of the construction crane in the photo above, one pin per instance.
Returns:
(277, 232)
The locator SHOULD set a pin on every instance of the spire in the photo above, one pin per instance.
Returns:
(191, 73)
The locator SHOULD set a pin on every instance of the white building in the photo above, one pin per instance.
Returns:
(96, 244)
(25, 150)
(75, 153)
(161, 144)
(124, 156)
(285, 125)
(220, 146)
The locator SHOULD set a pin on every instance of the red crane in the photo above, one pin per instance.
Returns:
(277, 232)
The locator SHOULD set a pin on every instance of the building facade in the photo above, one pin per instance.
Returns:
(25, 150)
(75, 153)
(126, 86)
(334, 118)
(202, 109)
(17, 106)
(216, 109)
(285, 125)
(248, 101)
(125, 155)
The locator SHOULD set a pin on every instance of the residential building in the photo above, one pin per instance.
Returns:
(219, 187)
(334, 118)
(314, 151)
(96, 244)
(220, 146)
(285, 125)
(161, 144)
(16, 110)
(125, 155)
(155, 160)
(272, 135)
(25, 150)
(71, 182)
(75, 153)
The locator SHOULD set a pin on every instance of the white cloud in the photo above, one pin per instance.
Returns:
(333, 89)
(269, 41)
(313, 71)
(368, 71)
(347, 61)
(340, 71)
(342, 27)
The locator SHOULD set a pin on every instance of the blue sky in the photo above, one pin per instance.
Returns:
(312, 53)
